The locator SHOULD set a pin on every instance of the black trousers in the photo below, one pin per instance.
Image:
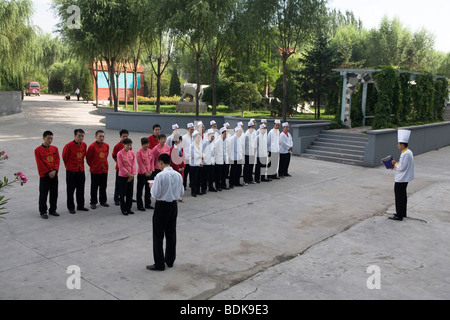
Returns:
(285, 160)
(401, 198)
(75, 183)
(248, 168)
(261, 162)
(125, 193)
(208, 177)
(235, 173)
(165, 225)
(187, 171)
(99, 183)
(116, 188)
(195, 180)
(46, 186)
(221, 173)
(142, 184)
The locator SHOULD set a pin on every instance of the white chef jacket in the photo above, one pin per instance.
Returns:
(273, 141)
(286, 142)
(404, 170)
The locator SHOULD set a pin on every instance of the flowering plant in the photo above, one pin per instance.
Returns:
(20, 177)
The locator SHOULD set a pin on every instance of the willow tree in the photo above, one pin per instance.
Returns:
(17, 37)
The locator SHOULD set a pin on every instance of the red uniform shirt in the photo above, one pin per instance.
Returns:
(116, 150)
(97, 157)
(73, 156)
(47, 160)
(154, 141)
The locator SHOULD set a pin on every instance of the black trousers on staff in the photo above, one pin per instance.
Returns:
(195, 180)
(401, 198)
(285, 160)
(235, 173)
(165, 225)
(208, 178)
(46, 186)
(221, 173)
(261, 162)
(272, 167)
(248, 168)
(75, 182)
(125, 194)
(99, 183)
(187, 171)
(142, 184)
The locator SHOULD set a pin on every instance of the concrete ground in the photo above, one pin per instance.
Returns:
(312, 236)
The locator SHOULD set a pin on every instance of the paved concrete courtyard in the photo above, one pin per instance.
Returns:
(312, 236)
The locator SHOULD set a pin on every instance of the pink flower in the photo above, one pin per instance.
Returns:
(21, 177)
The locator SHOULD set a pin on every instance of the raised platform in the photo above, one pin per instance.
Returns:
(185, 106)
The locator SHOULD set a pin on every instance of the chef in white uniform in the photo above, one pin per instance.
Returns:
(404, 174)
(286, 147)
(273, 144)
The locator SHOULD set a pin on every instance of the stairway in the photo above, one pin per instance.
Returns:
(340, 147)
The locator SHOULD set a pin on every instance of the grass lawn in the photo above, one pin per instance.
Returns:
(225, 111)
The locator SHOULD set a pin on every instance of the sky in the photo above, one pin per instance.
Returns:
(414, 14)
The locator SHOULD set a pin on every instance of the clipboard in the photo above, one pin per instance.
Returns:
(388, 162)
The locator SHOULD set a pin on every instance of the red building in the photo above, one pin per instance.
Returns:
(101, 70)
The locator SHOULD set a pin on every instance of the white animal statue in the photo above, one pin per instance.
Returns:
(189, 89)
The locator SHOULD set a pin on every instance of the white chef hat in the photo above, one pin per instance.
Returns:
(286, 124)
(238, 129)
(212, 123)
(251, 123)
(226, 125)
(200, 123)
(190, 125)
(175, 126)
(210, 131)
(264, 121)
(278, 121)
(240, 124)
(252, 120)
(222, 130)
(403, 136)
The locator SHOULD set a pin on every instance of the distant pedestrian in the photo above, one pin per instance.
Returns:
(48, 161)
(167, 189)
(77, 92)
(73, 155)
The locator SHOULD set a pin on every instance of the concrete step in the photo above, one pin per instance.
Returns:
(337, 155)
(334, 145)
(344, 136)
(336, 149)
(341, 142)
(332, 159)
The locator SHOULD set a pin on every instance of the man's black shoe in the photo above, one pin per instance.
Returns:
(141, 209)
(72, 211)
(154, 268)
(82, 209)
(44, 216)
(149, 207)
(104, 205)
(55, 214)
(396, 218)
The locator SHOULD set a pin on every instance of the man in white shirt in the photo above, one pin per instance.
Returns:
(261, 155)
(286, 147)
(236, 153)
(273, 144)
(250, 148)
(167, 189)
(222, 160)
(404, 173)
(186, 145)
(208, 177)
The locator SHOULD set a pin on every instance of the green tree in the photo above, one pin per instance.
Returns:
(244, 94)
(175, 85)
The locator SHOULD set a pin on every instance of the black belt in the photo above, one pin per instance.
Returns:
(160, 201)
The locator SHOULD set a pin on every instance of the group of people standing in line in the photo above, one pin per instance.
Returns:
(205, 159)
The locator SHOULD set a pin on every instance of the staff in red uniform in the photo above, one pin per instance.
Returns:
(97, 159)
(154, 139)
(118, 147)
(47, 160)
(73, 156)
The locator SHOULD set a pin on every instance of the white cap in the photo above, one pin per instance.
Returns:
(226, 125)
(222, 130)
(190, 125)
(199, 123)
(264, 121)
(251, 123)
(286, 124)
(237, 129)
(252, 120)
(175, 126)
(403, 136)
(212, 123)
(240, 124)
(210, 131)
(277, 121)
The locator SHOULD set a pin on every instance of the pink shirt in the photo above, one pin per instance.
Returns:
(157, 151)
(126, 162)
(145, 161)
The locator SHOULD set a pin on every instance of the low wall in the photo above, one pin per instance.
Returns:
(10, 102)
(304, 134)
(424, 139)
(143, 122)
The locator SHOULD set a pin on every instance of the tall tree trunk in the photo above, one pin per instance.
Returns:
(285, 107)
(158, 87)
(214, 87)
(126, 84)
(197, 91)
